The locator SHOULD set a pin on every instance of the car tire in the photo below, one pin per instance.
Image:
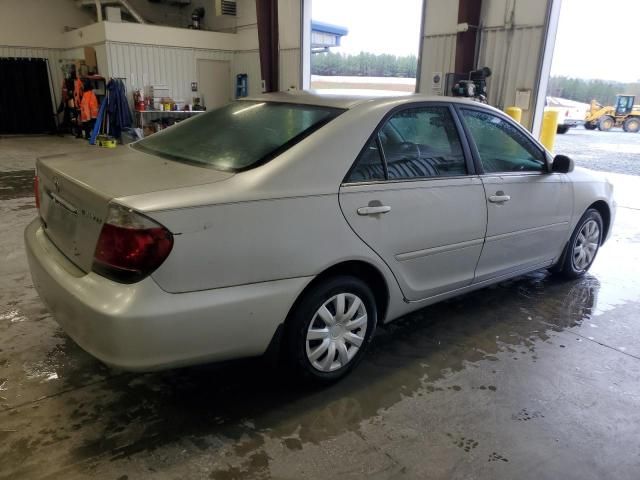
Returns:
(322, 344)
(589, 126)
(561, 129)
(583, 246)
(631, 125)
(606, 123)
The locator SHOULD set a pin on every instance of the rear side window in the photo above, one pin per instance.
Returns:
(369, 167)
(502, 147)
(414, 143)
(422, 142)
(238, 136)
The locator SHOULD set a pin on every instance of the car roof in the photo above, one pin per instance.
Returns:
(312, 97)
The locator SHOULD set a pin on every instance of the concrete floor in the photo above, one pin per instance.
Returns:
(534, 378)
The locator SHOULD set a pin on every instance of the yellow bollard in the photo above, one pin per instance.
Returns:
(549, 129)
(515, 113)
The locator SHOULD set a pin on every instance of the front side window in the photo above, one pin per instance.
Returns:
(239, 135)
(502, 147)
(422, 142)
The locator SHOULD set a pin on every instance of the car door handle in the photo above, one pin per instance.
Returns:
(499, 197)
(374, 210)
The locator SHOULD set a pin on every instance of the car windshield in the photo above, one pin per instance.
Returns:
(238, 136)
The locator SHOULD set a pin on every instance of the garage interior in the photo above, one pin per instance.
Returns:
(530, 378)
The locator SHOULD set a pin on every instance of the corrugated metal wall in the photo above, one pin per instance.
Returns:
(289, 68)
(513, 56)
(142, 65)
(248, 62)
(438, 56)
(51, 54)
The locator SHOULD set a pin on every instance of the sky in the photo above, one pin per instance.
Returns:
(598, 39)
(377, 26)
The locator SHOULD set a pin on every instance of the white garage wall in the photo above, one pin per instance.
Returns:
(248, 62)
(141, 65)
(513, 57)
(438, 41)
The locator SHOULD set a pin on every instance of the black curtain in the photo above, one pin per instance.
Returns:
(25, 97)
(267, 13)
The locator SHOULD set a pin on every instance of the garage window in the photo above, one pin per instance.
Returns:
(238, 136)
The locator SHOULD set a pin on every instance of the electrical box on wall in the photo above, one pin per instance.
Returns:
(523, 99)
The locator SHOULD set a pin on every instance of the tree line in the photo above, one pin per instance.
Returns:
(581, 90)
(364, 65)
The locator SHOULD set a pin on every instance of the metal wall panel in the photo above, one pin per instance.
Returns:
(289, 69)
(513, 56)
(438, 56)
(248, 62)
(141, 65)
(51, 54)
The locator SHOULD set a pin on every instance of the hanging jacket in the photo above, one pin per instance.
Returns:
(118, 108)
(88, 106)
(78, 90)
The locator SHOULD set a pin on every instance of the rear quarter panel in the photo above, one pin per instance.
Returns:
(257, 241)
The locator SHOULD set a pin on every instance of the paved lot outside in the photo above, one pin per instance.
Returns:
(613, 151)
(534, 378)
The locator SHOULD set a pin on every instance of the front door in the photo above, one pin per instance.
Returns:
(410, 197)
(528, 208)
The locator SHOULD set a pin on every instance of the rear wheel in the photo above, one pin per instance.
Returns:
(583, 246)
(329, 329)
(631, 124)
(563, 128)
(606, 123)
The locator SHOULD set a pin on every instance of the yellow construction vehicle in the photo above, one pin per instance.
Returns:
(625, 114)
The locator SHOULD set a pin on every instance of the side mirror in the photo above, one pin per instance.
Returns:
(562, 164)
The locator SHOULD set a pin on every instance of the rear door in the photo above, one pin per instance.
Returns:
(413, 197)
(528, 206)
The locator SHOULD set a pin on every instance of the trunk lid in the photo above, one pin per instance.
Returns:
(75, 191)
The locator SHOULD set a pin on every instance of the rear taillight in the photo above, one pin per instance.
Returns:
(131, 246)
(36, 190)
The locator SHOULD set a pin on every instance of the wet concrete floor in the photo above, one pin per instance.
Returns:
(534, 378)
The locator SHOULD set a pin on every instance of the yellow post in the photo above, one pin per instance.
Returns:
(549, 129)
(515, 113)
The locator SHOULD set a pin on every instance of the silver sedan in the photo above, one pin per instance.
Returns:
(300, 221)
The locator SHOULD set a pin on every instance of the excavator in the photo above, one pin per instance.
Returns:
(625, 114)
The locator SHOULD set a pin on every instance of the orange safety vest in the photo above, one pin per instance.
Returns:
(77, 92)
(88, 106)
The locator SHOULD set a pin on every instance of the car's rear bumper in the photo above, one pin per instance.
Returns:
(142, 327)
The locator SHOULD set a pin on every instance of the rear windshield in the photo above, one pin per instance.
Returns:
(238, 136)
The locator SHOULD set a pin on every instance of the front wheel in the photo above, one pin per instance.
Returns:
(330, 328)
(562, 129)
(583, 246)
(606, 123)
